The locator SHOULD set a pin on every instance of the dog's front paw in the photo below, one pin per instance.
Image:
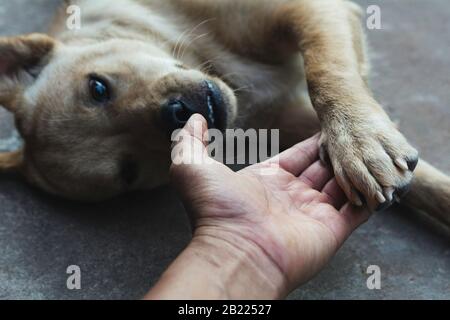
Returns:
(372, 161)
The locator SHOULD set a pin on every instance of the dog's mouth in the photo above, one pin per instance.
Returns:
(216, 108)
(208, 100)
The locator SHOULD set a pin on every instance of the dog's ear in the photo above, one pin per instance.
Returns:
(21, 60)
(11, 161)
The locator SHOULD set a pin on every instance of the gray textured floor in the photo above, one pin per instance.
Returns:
(123, 246)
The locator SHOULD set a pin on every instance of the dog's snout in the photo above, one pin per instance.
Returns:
(205, 99)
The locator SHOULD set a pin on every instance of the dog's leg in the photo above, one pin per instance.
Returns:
(430, 192)
(430, 188)
(370, 157)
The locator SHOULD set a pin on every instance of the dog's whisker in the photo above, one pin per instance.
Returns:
(188, 33)
(230, 74)
(207, 65)
(178, 42)
(244, 88)
(207, 62)
(185, 49)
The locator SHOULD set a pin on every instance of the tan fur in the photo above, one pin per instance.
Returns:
(297, 65)
(430, 192)
(11, 161)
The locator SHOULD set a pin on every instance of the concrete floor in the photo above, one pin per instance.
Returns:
(123, 246)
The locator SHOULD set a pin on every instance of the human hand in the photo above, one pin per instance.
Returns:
(271, 232)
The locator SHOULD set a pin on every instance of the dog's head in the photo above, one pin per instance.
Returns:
(96, 118)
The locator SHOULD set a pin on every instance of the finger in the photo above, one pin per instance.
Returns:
(335, 194)
(296, 159)
(316, 176)
(195, 128)
(189, 143)
(191, 163)
(351, 217)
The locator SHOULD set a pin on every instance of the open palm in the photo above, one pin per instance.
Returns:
(289, 208)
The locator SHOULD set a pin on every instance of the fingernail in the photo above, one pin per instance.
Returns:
(402, 164)
(380, 197)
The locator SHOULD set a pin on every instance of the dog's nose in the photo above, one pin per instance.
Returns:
(206, 100)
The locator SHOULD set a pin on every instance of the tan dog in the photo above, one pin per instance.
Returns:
(95, 105)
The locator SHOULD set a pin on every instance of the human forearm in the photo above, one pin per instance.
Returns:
(210, 268)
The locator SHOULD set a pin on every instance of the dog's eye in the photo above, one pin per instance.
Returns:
(99, 90)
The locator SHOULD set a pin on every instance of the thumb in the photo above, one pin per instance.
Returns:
(189, 143)
(188, 173)
(191, 163)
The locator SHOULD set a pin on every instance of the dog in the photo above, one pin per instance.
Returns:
(95, 105)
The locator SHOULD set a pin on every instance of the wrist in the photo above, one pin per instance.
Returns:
(241, 268)
(221, 268)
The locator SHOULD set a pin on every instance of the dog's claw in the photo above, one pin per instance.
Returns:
(383, 206)
(357, 199)
(380, 197)
(389, 193)
(412, 164)
(387, 199)
(402, 164)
